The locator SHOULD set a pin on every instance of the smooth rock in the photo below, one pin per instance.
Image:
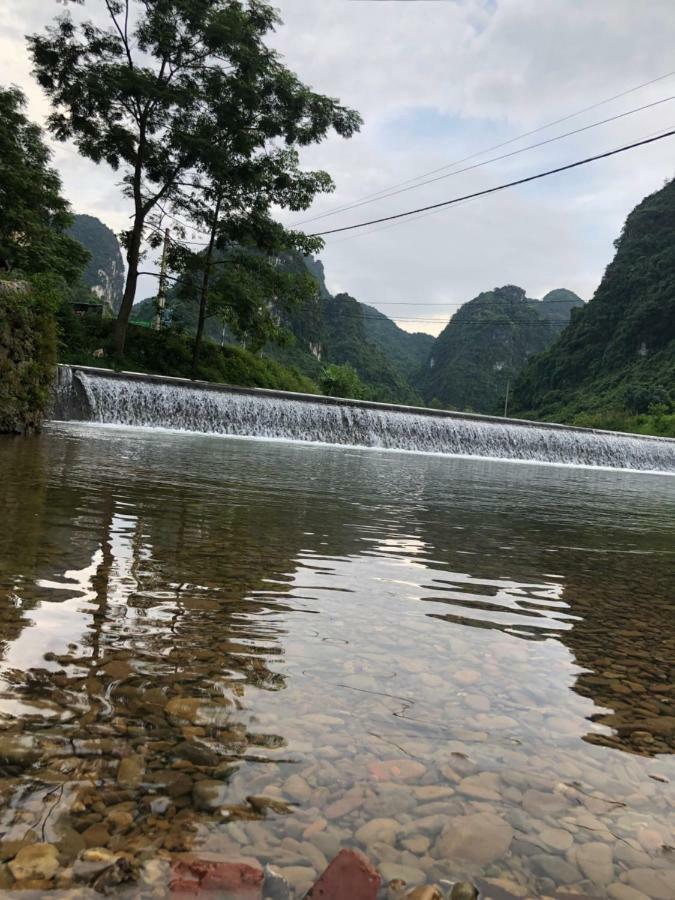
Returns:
(384, 830)
(391, 871)
(595, 861)
(208, 794)
(396, 770)
(618, 891)
(130, 771)
(297, 788)
(479, 837)
(556, 868)
(655, 883)
(425, 892)
(556, 838)
(484, 786)
(462, 890)
(35, 861)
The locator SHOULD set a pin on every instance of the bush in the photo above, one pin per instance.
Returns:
(169, 352)
(27, 351)
(342, 381)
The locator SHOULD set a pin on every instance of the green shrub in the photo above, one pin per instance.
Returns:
(27, 350)
(169, 352)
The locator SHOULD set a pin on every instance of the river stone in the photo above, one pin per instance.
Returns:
(556, 868)
(208, 794)
(299, 877)
(463, 891)
(396, 770)
(479, 837)
(196, 754)
(297, 788)
(130, 771)
(484, 786)
(619, 891)
(595, 861)
(383, 830)
(556, 838)
(18, 749)
(35, 861)
(541, 804)
(391, 871)
(654, 883)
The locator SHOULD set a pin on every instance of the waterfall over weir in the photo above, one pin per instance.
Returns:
(150, 401)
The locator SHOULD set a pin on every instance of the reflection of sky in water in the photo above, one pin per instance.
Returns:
(360, 607)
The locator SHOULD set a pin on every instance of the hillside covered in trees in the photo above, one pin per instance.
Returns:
(614, 367)
(486, 344)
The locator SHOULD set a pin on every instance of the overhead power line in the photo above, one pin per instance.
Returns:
(493, 159)
(519, 137)
(499, 187)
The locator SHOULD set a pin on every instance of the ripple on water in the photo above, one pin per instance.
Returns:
(463, 668)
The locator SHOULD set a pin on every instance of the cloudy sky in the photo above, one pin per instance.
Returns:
(437, 81)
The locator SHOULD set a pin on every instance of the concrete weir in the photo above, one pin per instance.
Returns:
(83, 393)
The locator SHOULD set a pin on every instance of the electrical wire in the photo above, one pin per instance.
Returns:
(493, 159)
(500, 187)
(499, 146)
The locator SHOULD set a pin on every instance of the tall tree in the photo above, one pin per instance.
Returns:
(231, 201)
(142, 93)
(34, 216)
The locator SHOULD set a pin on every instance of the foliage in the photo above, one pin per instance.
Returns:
(27, 350)
(617, 357)
(486, 344)
(342, 381)
(169, 352)
(405, 350)
(104, 273)
(34, 217)
(148, 98)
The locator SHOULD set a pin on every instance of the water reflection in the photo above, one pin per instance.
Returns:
(284, 650)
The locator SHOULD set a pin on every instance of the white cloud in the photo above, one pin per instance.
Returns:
(473, 74)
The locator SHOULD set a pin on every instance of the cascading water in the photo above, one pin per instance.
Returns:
(149, 401)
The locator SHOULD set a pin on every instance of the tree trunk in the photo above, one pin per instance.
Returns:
(133, 256)
(204, 293)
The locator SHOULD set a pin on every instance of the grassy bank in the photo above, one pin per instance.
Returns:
(169, 352)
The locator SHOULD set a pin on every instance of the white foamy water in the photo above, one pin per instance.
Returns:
(123, 399)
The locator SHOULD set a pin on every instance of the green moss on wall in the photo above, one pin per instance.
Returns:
(27, 352)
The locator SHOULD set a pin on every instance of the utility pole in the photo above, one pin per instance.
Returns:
(506, 399)
(161, 287)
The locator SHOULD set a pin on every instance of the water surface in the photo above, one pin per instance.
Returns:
(465, 668)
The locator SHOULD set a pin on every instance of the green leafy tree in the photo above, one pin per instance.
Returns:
(34, 216)
(143, 95)
(342, 381)
(241, 280)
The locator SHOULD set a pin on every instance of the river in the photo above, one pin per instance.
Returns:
(464, 668)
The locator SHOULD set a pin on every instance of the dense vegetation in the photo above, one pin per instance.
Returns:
(27, 351)
(614, 366)
(486, 344)
(42, 265)
(169, 352)
(104, 273)
(202, 118)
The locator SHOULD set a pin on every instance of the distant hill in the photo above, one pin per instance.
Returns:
(487, 343)
(617, 357)
(104, 273)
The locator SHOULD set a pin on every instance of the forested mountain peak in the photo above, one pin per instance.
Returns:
(618, 355)
(486, 344)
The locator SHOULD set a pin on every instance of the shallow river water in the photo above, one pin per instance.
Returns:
(464, 668)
